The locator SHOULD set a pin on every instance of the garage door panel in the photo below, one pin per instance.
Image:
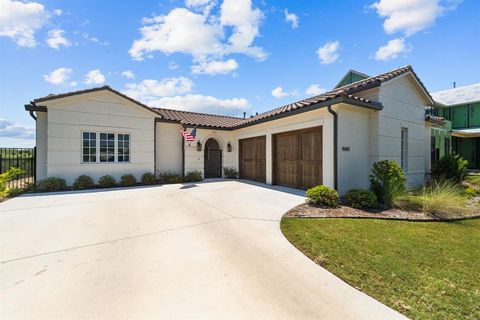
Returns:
(297, 157)
(253, 159)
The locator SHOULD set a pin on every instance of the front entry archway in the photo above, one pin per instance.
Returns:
(212, 159)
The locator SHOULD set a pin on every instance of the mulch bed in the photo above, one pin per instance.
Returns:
(307, 211)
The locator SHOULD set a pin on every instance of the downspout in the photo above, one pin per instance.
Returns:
(155, 147)
(183, 156)
(33, 115)
(335, 147)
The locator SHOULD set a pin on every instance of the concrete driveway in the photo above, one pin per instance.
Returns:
(214, 250)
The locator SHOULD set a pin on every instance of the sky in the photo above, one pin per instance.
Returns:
(223, 56)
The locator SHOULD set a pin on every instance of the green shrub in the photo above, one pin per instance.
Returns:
(107, 181)
(148, 178)
(323, 196)
(230, 172)
(193, 176)
(8, 176)
(83, 182)
(470, 192)
(360, 198)
(51, 184)
(128, 180)
(450, 167)
(169, 177)
(441, 198)
(12, 192)
(387, 181)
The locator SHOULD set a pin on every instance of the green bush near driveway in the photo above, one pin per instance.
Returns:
(51, 184)
(193, 176)
(230, 173)
(425, 270)
(148, 178)
(128, 180)
(169, 177)
(107, 181)
(360, 198)
(83, 182)
(323, 196)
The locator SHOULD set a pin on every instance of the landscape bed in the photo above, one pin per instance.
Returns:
(425, 270)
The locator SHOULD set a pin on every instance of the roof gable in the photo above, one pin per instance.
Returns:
(350, 77)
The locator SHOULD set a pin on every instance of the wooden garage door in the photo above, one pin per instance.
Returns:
(297, 158)
(252, 158)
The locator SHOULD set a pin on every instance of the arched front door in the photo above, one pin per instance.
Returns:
(212, 159)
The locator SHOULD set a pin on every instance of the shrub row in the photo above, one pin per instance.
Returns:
(107, 181)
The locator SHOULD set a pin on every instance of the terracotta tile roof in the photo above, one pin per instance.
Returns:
(198, 119)
(341, 94)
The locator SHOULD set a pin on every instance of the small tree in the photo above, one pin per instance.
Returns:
(387, 181)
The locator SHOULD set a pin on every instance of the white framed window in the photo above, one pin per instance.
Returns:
(123, 147)
(404, 149)
(89, 147)
(110, 147)
(107, 147)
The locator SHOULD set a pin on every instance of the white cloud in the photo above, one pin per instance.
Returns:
(279, 93)
(128, 74)
(329, 52)
(91, 38)
(314, 90)
(215, 67)
(291, 18)
(245, 21)
(58, 12)
(150, 89)
(411, 16)
(202, 103)
(55, 39)
(20, 20)
(205, 6)
(179, 31)
(9, 129)
(58, 76)
(94, 77)
(392, 49)
(172, 65)
(202, 35)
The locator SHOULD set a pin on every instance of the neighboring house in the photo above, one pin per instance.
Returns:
(331, 139)
(461, 109)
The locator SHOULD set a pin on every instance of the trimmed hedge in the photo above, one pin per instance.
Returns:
(148, 178)
(230, 172)
(323, 196)
(107, 181)
(193, 176)
(360, 198)
(83, 182)
(169, 177)
(51, 184)
(128, 180)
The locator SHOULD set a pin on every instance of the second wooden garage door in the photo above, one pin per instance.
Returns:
(252, 159)
(297, 158)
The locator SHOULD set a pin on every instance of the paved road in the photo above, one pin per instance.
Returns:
(214, 250)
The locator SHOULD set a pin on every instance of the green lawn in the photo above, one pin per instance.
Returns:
(425, 270)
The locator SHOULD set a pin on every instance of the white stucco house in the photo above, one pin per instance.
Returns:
(331, 139)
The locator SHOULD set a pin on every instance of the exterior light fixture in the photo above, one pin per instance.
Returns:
(229, 147)
(199, 146)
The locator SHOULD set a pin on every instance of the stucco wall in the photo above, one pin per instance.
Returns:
(353, 147)
(194, 160)
(100, 111)
(404, 106)
(169, 147)
(41, 144)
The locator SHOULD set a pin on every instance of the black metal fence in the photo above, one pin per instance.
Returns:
(21, 158)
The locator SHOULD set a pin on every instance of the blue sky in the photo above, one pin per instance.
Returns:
(224, 56)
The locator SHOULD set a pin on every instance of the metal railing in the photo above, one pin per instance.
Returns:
(21, 158)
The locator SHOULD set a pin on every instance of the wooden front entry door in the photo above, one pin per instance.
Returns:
(253, 159)
(297, 158)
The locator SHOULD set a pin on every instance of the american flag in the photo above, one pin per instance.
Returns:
(189, 136)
